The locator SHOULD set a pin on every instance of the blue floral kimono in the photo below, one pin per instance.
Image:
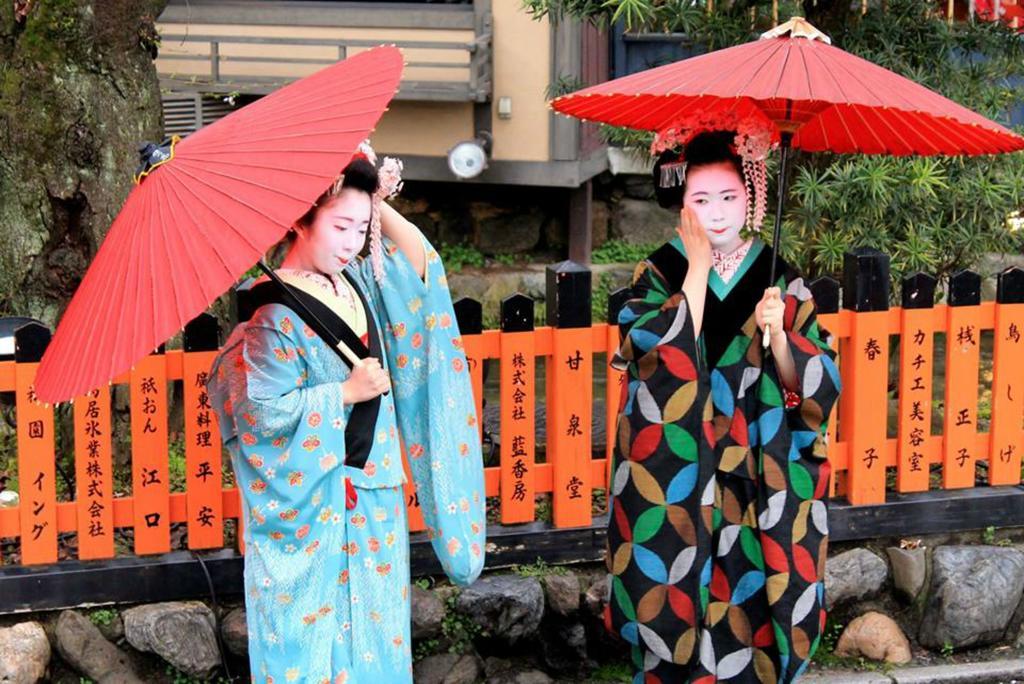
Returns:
(327, 548)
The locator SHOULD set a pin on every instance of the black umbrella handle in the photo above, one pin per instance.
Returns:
(304, 312)
(786, 144)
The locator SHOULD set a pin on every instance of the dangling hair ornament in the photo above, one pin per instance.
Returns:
(753, 142)
(673, 174)
(390, 175)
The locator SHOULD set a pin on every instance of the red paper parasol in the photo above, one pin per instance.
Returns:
(816, 97)
(828, 99)
(206, 211)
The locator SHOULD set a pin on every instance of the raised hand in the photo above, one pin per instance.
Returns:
(695, 240)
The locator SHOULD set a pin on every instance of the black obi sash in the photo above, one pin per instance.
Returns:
(362, 422)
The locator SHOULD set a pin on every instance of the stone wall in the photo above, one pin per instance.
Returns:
(517, 220)
(892, 601)
(921, 598)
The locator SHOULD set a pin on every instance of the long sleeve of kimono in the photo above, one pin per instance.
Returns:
(814, 360)
(270, 399)
(791, 507)
(651, 316)
(435, 408)
(659, 533)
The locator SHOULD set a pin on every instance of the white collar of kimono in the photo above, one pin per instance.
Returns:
(334, 290)
(726, 265)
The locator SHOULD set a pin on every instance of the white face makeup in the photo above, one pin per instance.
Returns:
(336, 236)
(718, 196)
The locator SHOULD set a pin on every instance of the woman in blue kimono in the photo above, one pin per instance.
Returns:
(315, 440)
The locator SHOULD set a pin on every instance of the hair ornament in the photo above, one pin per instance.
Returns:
(755, 137)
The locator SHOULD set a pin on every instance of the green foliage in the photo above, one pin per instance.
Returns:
(638, 15)
(538, 569)
(613, 672)
(506, 259)
(562, 86)
(425, 648)
(947, 650)
(989, 535)
(458, 629)
(605, 285)
(824, 656)
(176, 463)
(934, 214)
(102, 617)
(621, 252)
(455, 257)
(51, 31)
(543, 512)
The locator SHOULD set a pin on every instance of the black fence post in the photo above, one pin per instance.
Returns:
(202, 333)
(825, 291)
(917, 358)
(568, 295)
(570, 392)
(1010, 286)
(30, 342)
(1006, 436)
(964, 288)
(469, 314)
(866, 280)
(517, 313)
(864, 368)
(917, 291)
(616, 300)
(518, 422)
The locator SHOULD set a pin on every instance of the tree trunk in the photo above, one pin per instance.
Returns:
(78, 93)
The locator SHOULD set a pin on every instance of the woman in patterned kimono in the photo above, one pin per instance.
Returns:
(718, 532)
(315, 442)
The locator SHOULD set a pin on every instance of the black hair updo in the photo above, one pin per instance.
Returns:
(360, 174)
(705, 149)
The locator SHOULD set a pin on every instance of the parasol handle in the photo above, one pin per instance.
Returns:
(786, 143)
(339, 347)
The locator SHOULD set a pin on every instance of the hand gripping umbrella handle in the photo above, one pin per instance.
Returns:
(786, 140)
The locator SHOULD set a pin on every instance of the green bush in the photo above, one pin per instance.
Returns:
(621, 252)
(456, 257)
(938, 214)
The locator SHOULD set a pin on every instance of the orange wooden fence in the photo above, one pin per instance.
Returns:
(861, 449)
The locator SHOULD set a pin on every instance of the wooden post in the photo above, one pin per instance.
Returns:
(203, 463)
(469, 314)
(825, 291)
(615, 381)
(570, 392)
(518, 414)
(1007, 435)
(963, 347)
(94, 480)
(865, 373)
(36, 469)
(917, 354)
(150, 486)
(581, 223)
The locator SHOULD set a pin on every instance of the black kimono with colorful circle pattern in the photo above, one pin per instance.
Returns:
(718, 532)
